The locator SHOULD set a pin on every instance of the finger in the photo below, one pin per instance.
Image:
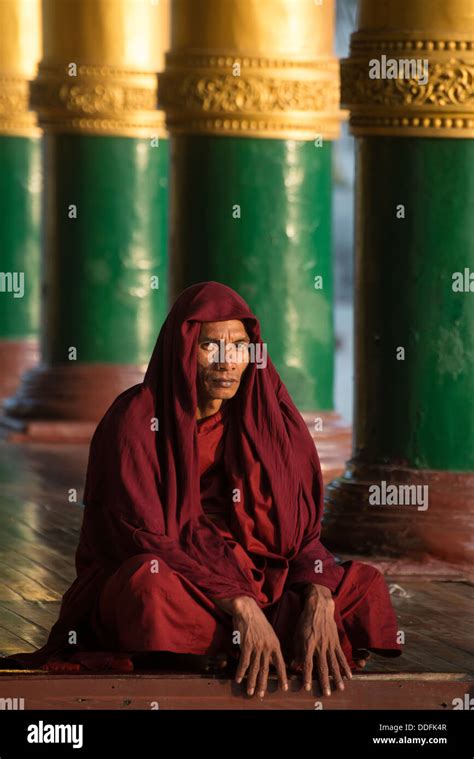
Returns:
(343, 663)
(253, 672)
(308, 668)
(323, 674)
(335, 670)
(243, 664)
(263, 674)
(279, 663)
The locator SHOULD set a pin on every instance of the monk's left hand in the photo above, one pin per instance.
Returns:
(317, 636)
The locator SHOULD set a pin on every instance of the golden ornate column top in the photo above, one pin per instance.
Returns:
(98, 74)
(20, 50)
(411, 69)
(255, 68)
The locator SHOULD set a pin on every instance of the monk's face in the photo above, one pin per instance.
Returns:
(222, 359)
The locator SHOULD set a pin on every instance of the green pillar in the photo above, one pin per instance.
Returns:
(20, 192)
(267, 234)
(116, 245)
(105, 158)
(409, 488)
(252, 112)
(418, 410)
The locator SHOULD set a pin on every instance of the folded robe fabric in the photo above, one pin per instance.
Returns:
(142, 491)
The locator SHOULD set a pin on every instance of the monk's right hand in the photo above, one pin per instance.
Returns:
(259, 647)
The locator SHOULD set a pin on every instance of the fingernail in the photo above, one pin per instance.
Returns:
(262, 693)
(250, 691)
(328, 692)
(238, 680)
(307, 686)
(285, 686)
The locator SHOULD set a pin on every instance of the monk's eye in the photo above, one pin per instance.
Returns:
(209, 346)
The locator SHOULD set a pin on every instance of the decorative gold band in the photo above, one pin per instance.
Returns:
(251, 96)
(402, 100)
(20, 50)
(15, 118)
(101, 100)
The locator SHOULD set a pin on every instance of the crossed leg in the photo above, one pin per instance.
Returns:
(141, 610)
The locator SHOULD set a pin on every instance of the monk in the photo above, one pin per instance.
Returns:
(202, 520)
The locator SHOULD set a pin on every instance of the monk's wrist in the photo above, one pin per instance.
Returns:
(242, 604)
(239, 605)
(317, 593)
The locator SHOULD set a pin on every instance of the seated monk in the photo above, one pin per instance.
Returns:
(202, 520)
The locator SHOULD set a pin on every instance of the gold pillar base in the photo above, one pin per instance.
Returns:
(333, 442)
(16, 356)
(441, 533)
(65, 402)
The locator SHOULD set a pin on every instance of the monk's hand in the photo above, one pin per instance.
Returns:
(259, 647)
(317, 636)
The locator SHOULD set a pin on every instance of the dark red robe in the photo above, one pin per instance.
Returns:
(178, 511)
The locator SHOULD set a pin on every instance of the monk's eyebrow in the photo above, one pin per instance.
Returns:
(211, 339)
(216, 338)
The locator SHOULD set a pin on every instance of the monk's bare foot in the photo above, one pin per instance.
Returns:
(360, 657)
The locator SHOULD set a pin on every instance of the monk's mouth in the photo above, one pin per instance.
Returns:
(223, 382)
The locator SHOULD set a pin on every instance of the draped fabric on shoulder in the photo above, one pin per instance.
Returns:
(142, 492)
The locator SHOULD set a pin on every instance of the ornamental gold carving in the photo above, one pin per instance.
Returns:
(20, 50)
(15, 116)
(256, 96)
(443, 106)
(97, 100)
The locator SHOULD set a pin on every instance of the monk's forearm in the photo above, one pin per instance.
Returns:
(315, 593)
(235, 606)
(240, 605)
